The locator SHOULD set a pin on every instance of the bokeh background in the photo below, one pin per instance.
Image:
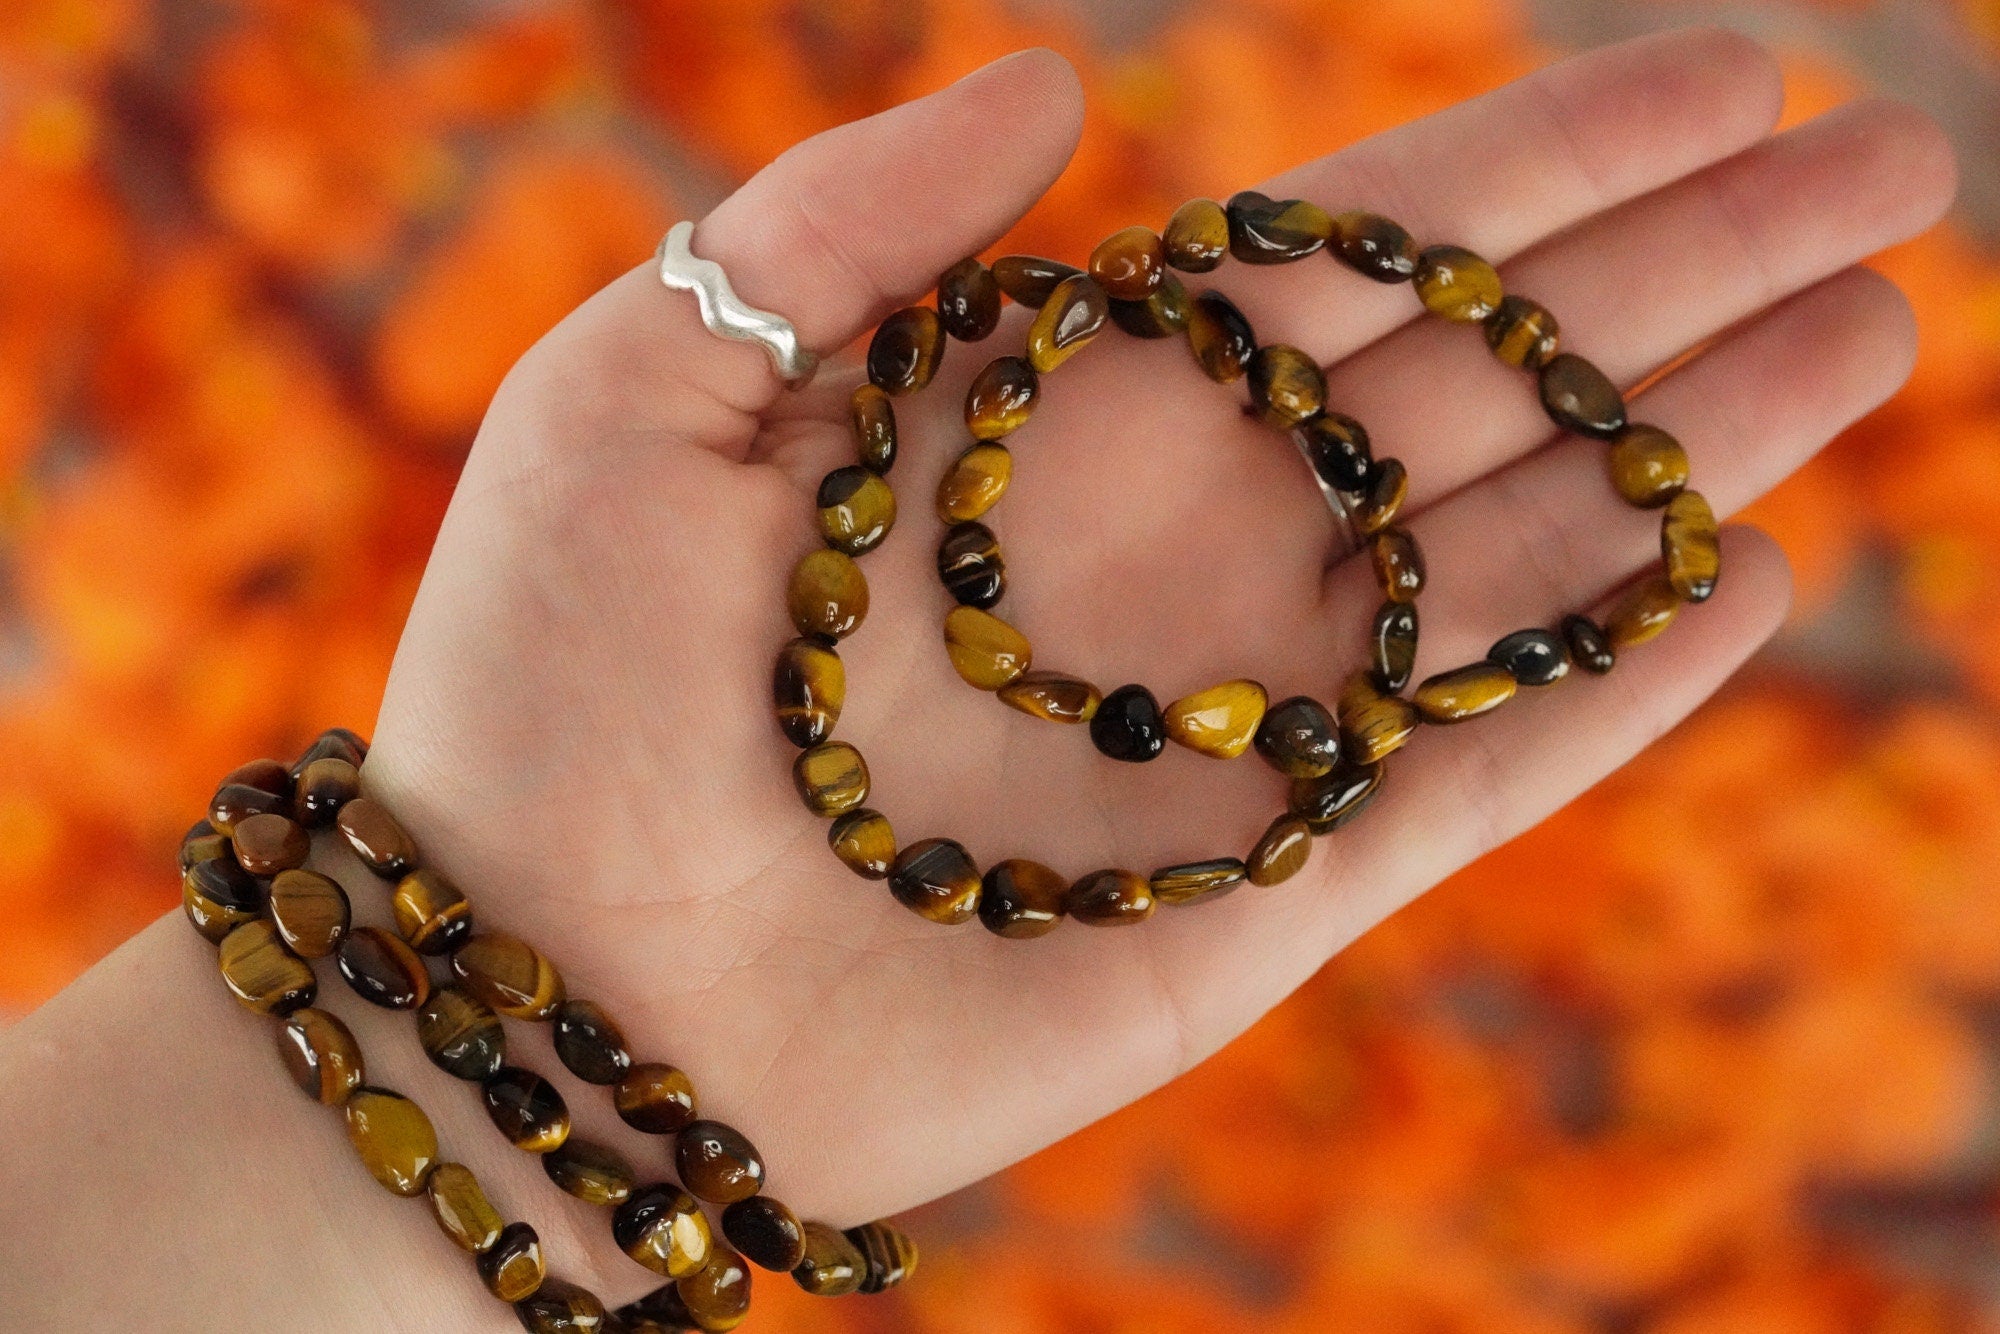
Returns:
(1711, 1052)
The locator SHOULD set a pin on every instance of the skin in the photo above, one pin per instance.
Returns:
(578, 724)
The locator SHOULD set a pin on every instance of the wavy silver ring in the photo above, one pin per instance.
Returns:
(726, 314)
(1341, 505)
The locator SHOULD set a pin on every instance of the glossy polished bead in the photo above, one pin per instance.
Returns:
(1579, 397)
(218, 896)
(985, 650)
(334, 743)
(1280, 853)
(1331, 800)
(833, 1267)
(201, 843)
(1373, 723)
(321, 1055)
(383, 970)
(267, 844)
(430, 912)
(1392, 645)
(828, 594)
(1110, 897)
(1645, 610)
(663, 1228)
(970, 566)
(239, 801)
(1455, 283)
(968, 300)
(1220, 721)
(1220, 337)
(1588, 647)
(1522, 333)
(865, 841)
(1186, 882)
(1128, 726)
(311, 912)
(1161, 315)
(590, 1044)
(974, 483)
(1464, 692)
(461, 1034)
(1531, 657)
(1399, 564)
(1197, 236)
(856, 509)
(1263, 230)
(1129, 263)
(718, 1162)
(654, 1097)
(264, 775)
(1372, 245)
(660, 1311)
(1067, 321)
(1337, 448)
(510, 976)
(890, 1256)
(262, 973)
(526, 1108)
(461, 1208)
(1388, 487)
(592, 1172)
(873, 419)
(936, 878)
(1691, 545)
(808, 688)
(325, 786)
(1299, 737)
(1021, 899)
(561, 1307)
(1286, 386)
(1053, 696)
(906, 349)
(376, 838)
(717, 1296)
(1030, 279)
(766, 1232)
(511, 1267)
(1648, 466)
(831, 777)
(1001, 398)
(393, 1137)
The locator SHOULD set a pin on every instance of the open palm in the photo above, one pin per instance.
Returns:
(579, 726)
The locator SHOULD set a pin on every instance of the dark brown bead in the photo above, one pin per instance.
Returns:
(264, 775)
(590, 1044)
(970, 565)
(1052, 696)
(1030, 279)
(808, 688)
(1331, 800)
(1373, 723)
(1129, 263)
(526, 1108)
(766, 1232)
(511, 1267)
(431, 913)
(1299, 737)
(830, 777)
(1220, 338)
(718, 1162)
(1001, 398)
(873, 419)
(1464, 692)
(906, 350)
(1337, 448)
(1021, 899)
(1067, 321)
(660, 1311)
(508, 974)
(1522, 333)
(663, 1228)
(1393, 645)
(239, 801)
(1110, 897)
(1189, 881)
(1640, 613)
(321, 1055)
(834, 1266)
(395, 1140)
(1161, 315)
(376, 838)
(1691, 545)
(1454, 283)
(1579, 397)
(325, 786)
(1281, 853)
(1372, 245)
(334, 743)
(202, 842)
(865, 840)
(311, 912)
(1648, 466)
(985, 650)
(1219, 721)
(461, 1035)
(382, 970)
(590, 1171)
(1531, 657)
(1588, 648)
(1197, 236)
(717, 1296)
(1399, 564)
(974, 483)
(828, 595)
(1286, 385)
(856, 509)
(1263, 230)
(890, 1255)
(1128, 725)
(262, 973)
(936, 878)
(654, 1097)
(1388, 487)
(267, 844)
(219, 896)
(968, 300)
(461, 1208)
(561, 1307)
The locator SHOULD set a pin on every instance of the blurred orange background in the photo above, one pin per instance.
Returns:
(1711, 1052)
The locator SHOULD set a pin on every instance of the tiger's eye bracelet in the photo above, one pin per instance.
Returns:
(245, 887)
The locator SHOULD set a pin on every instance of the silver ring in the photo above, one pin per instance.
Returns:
(726, 314)
(1342, 507)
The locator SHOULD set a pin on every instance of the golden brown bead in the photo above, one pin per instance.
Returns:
(873, 419)
(1197, 236)
(1001, 398)
(970, 565)
(1457, 284)
(321, 1055)
(1399, 564)
(1691, 545)
(203, 842)
(808, 688)
(461, 1208)
(264, 775)
(383, 970)
(376, 838)
(1189, 881)
(974, 483)
(865, 840)
(718, 1163)
(1388, 487)
(1021, 899)
(1052, 695)
(1220, 721)
(833, 1266)
(508, 975)
(1129, 263)
(828, 594)
(1263, 230)
(890, 1255)
(1372, 245)
(334, 743)
(1161, 315)
(1587, 645)
(311, 912)
(1579, 397)
(1286, 386)
(239, 801)
(325, 786)
(1464, 692)
(831, 777)
(267, 844)
(985, 650)
(1067, 322)
(1648, 466)
(1522, 333)
(590, 1043)
(461, 1034)
(1329, 801)
(1532, 657)
(936, 878)
(431, 913)
(856, 509)
(1030, 279)
(906, 350)
(590, 1171)
(1645, 610)
(526, 1108)
(968, 300)
(766, 1232)
(262, 973)
(1220, 337)
(717, 1296)
(393, 1137)
(218, 896)
(1372, 723)
(511, 1267)
(1110, 897)
(663, 1228)
(654, 1097)
(1393, 645)
(561, 1307)
(1281, 853)
(1299, 737)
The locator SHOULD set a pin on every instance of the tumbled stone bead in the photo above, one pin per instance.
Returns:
(334, 743)
(325, 786)
(1641, 613)
(1372, 245)
(970, 565)
(218, 896)
(509, 975)
(461, 1208)
(1399, 564)
(526, 1108)
(1579, 397)
(1691, 546)
(717, 1296)
(906, 349)
(1373, 723)
(808, 688)
(592, 1172)
(1388, 487)
(1464, 692)
(1129, 263)
(1128, 726)
(1263, 230)
(1286, 386)
(833, 1266)
(1110, 897)
(767, 1232)
(1457, 284)
(660, 1311)
(1197, 236)
(262, 973)
(856, 509)
(1220, 721)
(968, 300)
(383, 970)
(1280, 853)
(1161, 315)
(662, 1228)
(511, 1267)
(1185, 882)
(1030, 279)
(936, 878)
(1588, 647)
(1021, 899)
(590, 1043)
(828, 594)
(430, 912)
(1522, 333)
(1532, 657)
(1052, 695)
(890, 1255)
(393, 1137)
(239, 801)
(267, 844)
(985, 650)
(873, 419)
(1001, 398)
(1299, 737)
(1337, 448)
(376, 838)
(321, 1055)
(461, 1035)
(865, 841)
(654, 1097)
(202, 842)
(1220, 337)
(264, 775)
(311, 912)
(1392, 645)
(974, 483)
(1067, 322)
(1648, 466)
(718, 1162)
(561, 1307)
(831, 777)
(1329, 801)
